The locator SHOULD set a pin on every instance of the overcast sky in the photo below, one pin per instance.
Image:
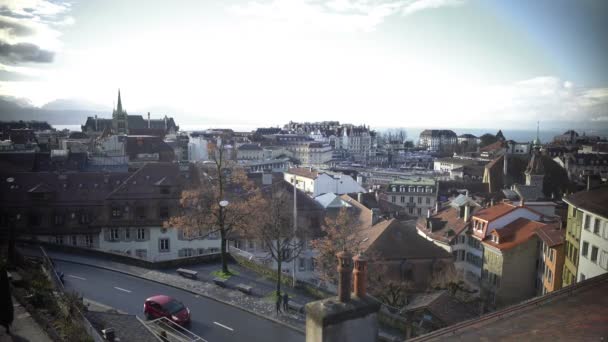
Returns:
(432, 63)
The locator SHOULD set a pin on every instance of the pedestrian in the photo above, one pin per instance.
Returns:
(278, 302)
(285, 302)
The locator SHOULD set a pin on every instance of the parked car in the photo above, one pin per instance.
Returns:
(165, 306)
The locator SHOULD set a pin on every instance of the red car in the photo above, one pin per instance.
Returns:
(165, 306)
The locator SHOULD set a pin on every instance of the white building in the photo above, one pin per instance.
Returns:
(438, 140)
(316, 183)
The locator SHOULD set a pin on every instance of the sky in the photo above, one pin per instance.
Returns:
(405, 63)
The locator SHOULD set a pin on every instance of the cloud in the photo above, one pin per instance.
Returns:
(24, 52)
(336, 15)
(421, 5)
(549, 98)
(15, 28)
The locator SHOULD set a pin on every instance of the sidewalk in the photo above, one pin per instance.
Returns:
(24, 327)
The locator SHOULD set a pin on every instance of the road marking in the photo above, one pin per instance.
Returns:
(121, 289)
(223, 326)
(77, 277)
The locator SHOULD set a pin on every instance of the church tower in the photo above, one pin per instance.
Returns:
(119, 118)
(535, 172)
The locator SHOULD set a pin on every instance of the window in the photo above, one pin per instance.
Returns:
(582, 277)
(114, 234)
(88, 240)
(164, 212)
(587, 222)
(393, 199)
(59, 219)
(419, 200)
(596, 226)
(410, 210)
(549, 276)
(127, 233)
(187, 252)
(301, 264)
(140, 212)
(604, 260)
(428, 200)
(141, 253)
(59, 239)
(74, 240)
(141, 233)
(551, 253)
(402, 199)
(606, 230)
(84, 218)
(594, 251)
(163, 245)
(250, 244)
(419, 210)
(116, 212)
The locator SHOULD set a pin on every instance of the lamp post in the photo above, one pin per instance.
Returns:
(223, 204)
(295, 226)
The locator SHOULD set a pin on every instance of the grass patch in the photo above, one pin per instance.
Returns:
(222, 275)
(271, 297)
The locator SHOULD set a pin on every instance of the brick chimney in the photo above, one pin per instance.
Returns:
(345, 268)
(360, 276)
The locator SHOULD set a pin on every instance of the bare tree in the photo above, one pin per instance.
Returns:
(339, 235)
(275, 229)
(222, 200)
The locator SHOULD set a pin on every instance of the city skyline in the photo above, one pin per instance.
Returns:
(434, 63)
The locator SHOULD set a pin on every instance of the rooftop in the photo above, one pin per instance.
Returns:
(514, 233)
(576, 313)
(594, 201)
(303, 172)
(494, 212)
(414, 181)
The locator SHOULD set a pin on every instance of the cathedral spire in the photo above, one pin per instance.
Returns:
(119, 105)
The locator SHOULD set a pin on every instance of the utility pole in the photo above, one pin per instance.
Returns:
(295, 227)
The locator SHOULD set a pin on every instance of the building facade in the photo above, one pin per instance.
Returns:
(438, 140)
(418, 195)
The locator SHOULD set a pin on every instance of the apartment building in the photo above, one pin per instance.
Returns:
(417, 195)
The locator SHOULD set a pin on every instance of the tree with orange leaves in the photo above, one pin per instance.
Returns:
(223, 200)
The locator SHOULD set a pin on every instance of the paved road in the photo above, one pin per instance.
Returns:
(211, 320)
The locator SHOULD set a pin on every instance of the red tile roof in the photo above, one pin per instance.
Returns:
(515, 233)
(494, 212)
(492, 147)
(552, 235)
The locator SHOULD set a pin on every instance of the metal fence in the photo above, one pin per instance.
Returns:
(58, 285)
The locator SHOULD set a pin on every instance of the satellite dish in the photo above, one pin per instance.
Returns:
(10, 179)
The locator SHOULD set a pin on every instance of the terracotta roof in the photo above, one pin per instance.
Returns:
(514, 233)
(398, 240)
(303, 172)
(494, 212)
(595, 201)
(551, 234)
(442, 223)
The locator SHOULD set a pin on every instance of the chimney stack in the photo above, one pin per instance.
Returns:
(428, 213)
(436, 206)
(96, 123)
(360, 275)
(345, 268)
(149, 120)
(522, 203)
(467, 213)
(360, 197)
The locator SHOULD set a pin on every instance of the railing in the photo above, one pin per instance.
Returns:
(58, 285)
(169, 331)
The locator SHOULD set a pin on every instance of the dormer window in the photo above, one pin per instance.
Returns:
(495, 238)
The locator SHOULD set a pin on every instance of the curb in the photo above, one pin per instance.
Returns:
(288, 325)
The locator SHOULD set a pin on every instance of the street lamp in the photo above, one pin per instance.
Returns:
(223, 204)
(295, 226)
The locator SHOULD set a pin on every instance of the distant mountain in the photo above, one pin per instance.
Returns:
(76, 104)
(55, 113)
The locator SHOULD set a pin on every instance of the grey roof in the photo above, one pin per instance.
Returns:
(528, 192)
(462, 200)
(331, 200)
(595, 201)
(126, 327)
